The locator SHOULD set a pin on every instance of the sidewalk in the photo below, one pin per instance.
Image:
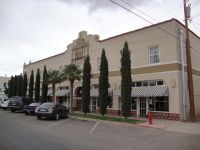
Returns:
(174, 126)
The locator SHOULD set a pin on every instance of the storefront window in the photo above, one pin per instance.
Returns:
(133, 103)
(145, 83)
(159, 104)
(138, 84)
(160, 82)
(152, 83)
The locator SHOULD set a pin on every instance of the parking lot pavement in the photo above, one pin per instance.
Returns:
(21, 132)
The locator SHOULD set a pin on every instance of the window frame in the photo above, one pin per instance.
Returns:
(155, 46)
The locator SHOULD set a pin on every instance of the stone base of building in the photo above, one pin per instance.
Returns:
(167, 116)
(156, 115)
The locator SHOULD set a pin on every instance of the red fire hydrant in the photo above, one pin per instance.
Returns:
(150, 117)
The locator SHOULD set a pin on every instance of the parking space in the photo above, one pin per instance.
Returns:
(78, 134)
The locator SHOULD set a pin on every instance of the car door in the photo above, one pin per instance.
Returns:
(59, 109)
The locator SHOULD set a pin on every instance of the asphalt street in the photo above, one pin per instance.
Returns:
(21, 132)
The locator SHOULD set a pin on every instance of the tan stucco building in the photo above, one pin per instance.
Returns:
(3, 79)
(157, 78)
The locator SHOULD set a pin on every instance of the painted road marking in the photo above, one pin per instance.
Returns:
(94, 127)
(54, 124)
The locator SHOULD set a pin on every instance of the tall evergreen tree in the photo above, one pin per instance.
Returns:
(6, 88)
(103, 84)
(125, 80)
(24, 85)
(86, 85)
(10, 87)
(14, 86)
(19, 85)
(31, 84)
(37, 86)
(44, 85)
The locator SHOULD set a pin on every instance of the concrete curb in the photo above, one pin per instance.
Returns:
(122, 123)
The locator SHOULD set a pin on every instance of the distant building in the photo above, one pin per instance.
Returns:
(156, 69)
(2, 81)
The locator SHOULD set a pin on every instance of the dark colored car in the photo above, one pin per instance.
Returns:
(52, 110)
(18, 103)
(30, 109)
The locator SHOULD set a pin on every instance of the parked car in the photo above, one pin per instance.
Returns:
(18, 103)
(52, 110)
(4, 104)
(30, 109)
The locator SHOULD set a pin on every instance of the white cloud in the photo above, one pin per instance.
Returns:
(35, 29)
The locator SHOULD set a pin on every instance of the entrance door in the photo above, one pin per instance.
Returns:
(94, 104)
(143, 107)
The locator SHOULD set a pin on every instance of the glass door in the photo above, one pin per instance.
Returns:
(94, 104)
(143, 107)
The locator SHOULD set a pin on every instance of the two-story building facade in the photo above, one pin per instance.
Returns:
(157, 75)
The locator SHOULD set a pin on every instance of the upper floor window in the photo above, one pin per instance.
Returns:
(154, 55)
(147, 83)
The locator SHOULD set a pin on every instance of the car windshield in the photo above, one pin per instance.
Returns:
(34, 104)
(17, 99)
(47, 105)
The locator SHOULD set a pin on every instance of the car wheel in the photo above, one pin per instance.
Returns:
(57, 116)
(12, 110)
(39, 117)
(26, 113)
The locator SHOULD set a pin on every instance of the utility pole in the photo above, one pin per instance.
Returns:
(189, 64)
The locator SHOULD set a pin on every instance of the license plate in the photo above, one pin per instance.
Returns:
(42, 110)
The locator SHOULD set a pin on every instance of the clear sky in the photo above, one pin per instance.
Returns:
(36, 29)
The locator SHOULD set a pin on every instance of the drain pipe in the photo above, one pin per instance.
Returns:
(180, 33)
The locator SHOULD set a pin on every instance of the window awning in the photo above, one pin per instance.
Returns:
(62, 93)
(147, 91)
(49, 93)
(59, 93)
(94, 92)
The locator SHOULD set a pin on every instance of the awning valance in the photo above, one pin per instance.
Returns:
(146, 91)
(59, 93)
(94, 92)
(62, 93)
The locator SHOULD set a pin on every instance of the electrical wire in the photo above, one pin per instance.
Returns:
(198, 51)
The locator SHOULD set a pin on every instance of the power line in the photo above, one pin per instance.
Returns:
(138, 10)
(150, 22)
(193, 24)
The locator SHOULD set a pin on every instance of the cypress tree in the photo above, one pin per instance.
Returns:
(24, 85)
(19, 85)
(31, 82)
(37, 86)
(125, 80)
(86, 85)
(6, 88)
(14, 86)
(103, 84)
(10, 85)
(44, 85)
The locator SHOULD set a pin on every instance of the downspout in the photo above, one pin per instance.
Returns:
(180, 33)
